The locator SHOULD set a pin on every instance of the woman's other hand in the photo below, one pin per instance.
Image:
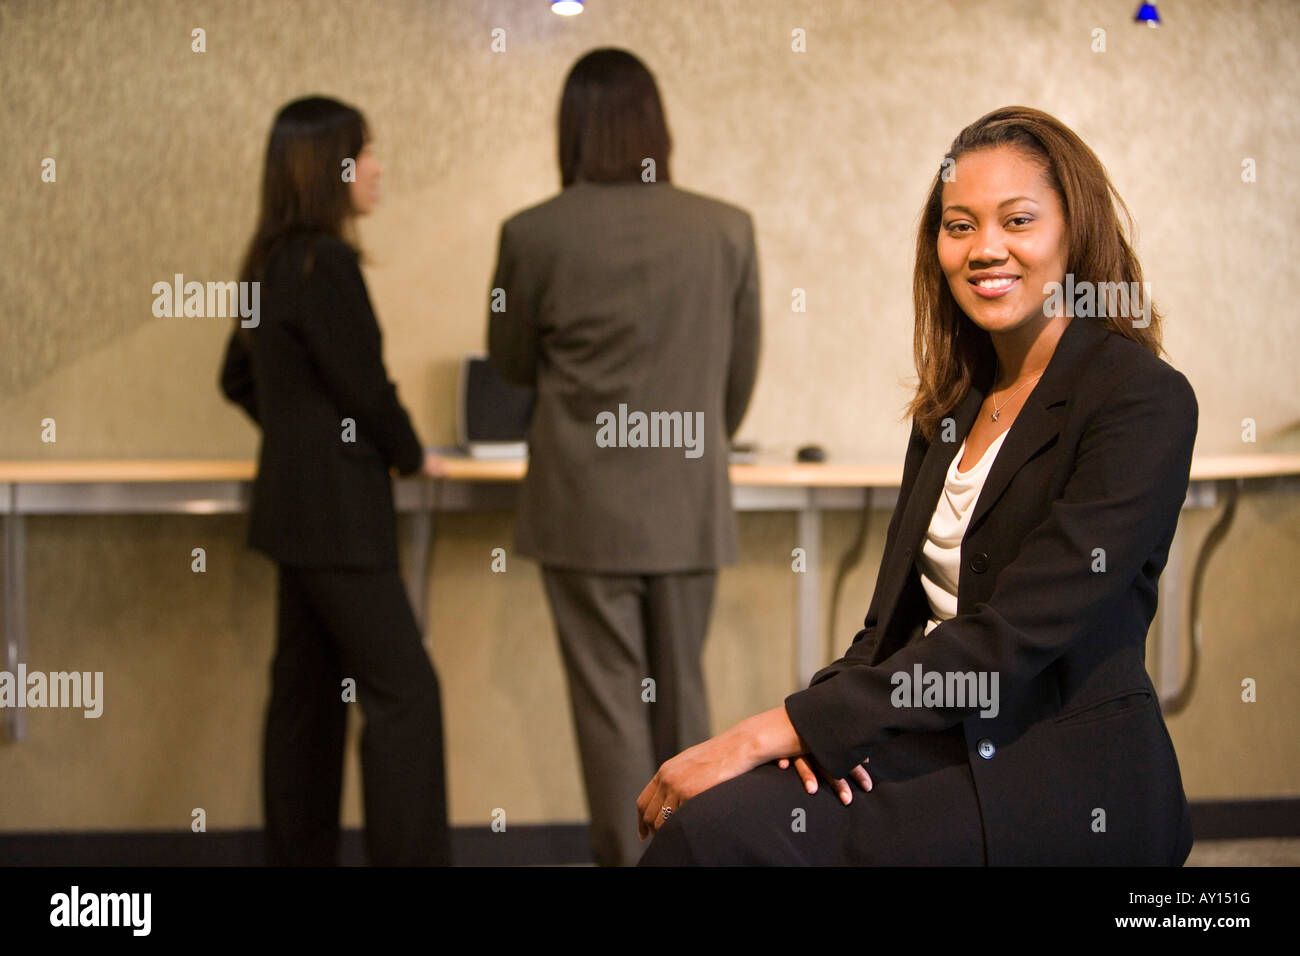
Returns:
(433, 466)
(803, 765)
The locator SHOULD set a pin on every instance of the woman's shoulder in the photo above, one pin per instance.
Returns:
(730, 217)
(300, 254)
(1135, 361)
(669, 197)
(1126, 373)
(323, 245)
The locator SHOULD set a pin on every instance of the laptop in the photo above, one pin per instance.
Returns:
(492, 414)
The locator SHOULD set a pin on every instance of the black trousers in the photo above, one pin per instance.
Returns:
(922, 810)
(334, 625)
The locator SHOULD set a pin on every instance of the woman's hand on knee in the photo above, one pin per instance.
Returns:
(691, 772)
(803, 765)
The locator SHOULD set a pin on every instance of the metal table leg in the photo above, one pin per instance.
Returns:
(15, 615)
(1228, 489)
(808, 535)
(417, 561)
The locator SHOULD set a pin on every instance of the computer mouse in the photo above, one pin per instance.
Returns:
(811, 454)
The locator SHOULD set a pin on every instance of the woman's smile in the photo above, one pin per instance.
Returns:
(993, 285)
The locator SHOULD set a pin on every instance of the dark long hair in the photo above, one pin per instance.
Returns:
(302, 180)
(611, 119)
(949, 350)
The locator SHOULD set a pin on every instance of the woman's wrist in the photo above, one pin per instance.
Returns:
(767, 736)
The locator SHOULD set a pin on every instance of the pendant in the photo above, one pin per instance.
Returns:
(995, 414)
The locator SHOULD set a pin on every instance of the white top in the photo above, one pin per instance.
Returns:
(940, 558)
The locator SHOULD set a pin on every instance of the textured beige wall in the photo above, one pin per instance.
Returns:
(157, 152)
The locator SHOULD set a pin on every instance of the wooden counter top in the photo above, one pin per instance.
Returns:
(474, 470)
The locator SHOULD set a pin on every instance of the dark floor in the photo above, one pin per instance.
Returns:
(1262, 852)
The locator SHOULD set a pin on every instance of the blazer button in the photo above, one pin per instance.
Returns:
(986, 749)
(979, 562)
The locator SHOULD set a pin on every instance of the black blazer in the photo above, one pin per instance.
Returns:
(1098, 458)
(315, 359)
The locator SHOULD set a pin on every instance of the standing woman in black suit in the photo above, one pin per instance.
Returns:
(310, 372)
(995, 708)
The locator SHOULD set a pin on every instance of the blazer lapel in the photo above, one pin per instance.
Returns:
(1037, 424)
(934, 470)
(1039, 421)
(917, 511)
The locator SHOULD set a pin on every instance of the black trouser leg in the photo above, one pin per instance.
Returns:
(379, 646)
(306, 722)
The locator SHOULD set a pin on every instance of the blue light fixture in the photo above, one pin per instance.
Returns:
(566, 8)
(1147, 14)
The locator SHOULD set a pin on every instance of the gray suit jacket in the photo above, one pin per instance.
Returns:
(633, 309)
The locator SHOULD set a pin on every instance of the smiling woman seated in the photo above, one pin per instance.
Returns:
(1048, 462)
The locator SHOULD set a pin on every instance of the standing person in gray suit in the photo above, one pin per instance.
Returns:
(632, 307)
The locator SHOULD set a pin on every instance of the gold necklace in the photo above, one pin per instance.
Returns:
(997, 409)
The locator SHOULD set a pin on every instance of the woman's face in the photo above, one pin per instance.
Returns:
(365, 188)
(1001, 238)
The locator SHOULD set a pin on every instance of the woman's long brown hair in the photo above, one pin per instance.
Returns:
(303, 188)
(950, 351)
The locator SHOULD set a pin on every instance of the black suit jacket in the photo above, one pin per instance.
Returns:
(314, 360)
(1098, 458)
